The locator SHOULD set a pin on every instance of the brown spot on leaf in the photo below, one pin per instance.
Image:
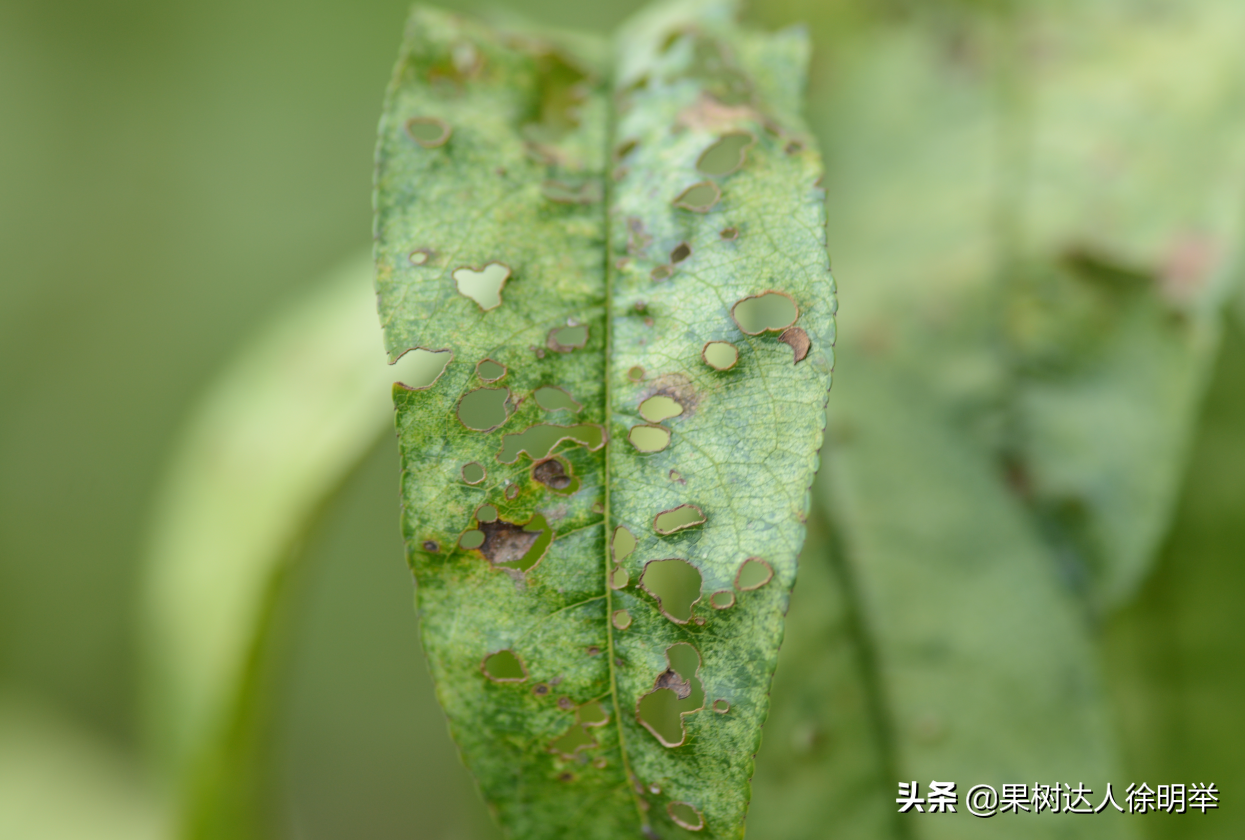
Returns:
(709, 114)
(505, 542)
(638, 238)
(681, 252)
(552, 473)
(799, 342)
(676, 386)
(431, 545)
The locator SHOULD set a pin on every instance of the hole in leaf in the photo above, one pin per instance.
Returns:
(681, 252)
(661, 272)
(685, 816)
(722, 599)
(677, 477)
(636, 374)
(552, 398)
(420, 256)
(486, 513)
(699, 198)
(720, 355)
(726, 155)
(489, 370)
(592, 713)
(428, 132)
(657, 409)
(484, 285)
(766, 311)
(538, 441)
(503, 666)
(624, 543)
(753, 574)
(676, 692)
(562, 193)
(721, 706)
(576, 738)
(676, 586)
(798, 340)
(483, 409)
(649, 438)
(621, 619)
(676, 519)
(417, 369)
(566, 339)
(474, 473)
(515, 546)
(619, 578)
(729, 233)
(471, 539)
(512, 492)
(554, 474)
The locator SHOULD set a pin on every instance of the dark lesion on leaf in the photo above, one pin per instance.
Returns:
(798, 340)
(506, 542)
(672, 680)
(555, 474)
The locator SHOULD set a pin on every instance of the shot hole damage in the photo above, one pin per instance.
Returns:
(675, 584)
(555, 474)
(685, 816)
(428, 132)
(489, 370)
(418, 369)
(483, 285)
(621, 619)
(504, 666)
(659, 408)
(768, 311)
(726, 155)
(649, 438)
(661, 272)
(721, 706)
(483, 409)
(676, 692)
(699, 198)
(722, 599)
(720, 355)
(619, 578)
(553, 398)
(798, 341)
(566, 339)
(538, 441)
(623, 544)
(420, 256)
(579, 737)
(636, 374)
(512, 546)
(486, 513)
(471, 540)
(753, 574)
(676, 519)
(729, 234)
(680, 253)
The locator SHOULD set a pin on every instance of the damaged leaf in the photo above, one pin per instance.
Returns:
(576, 233)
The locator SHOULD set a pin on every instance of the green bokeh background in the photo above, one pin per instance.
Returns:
(173, 174)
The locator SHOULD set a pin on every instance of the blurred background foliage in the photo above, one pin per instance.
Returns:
(175, 174)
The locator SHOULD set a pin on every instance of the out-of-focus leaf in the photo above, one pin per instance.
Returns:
(59, 782)
(267, 445)
(1129, 229)
(1174, 655)
(585, 709)
(961, 432)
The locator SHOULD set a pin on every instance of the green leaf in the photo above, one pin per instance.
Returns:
(271, 439)
(633, 707)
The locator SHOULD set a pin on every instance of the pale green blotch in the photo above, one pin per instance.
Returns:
(418, 369)
(483, 286)
(659, 408)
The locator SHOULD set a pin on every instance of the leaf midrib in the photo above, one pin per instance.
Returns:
(608, 200)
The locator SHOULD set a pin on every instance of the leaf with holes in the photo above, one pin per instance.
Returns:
(604, 491)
